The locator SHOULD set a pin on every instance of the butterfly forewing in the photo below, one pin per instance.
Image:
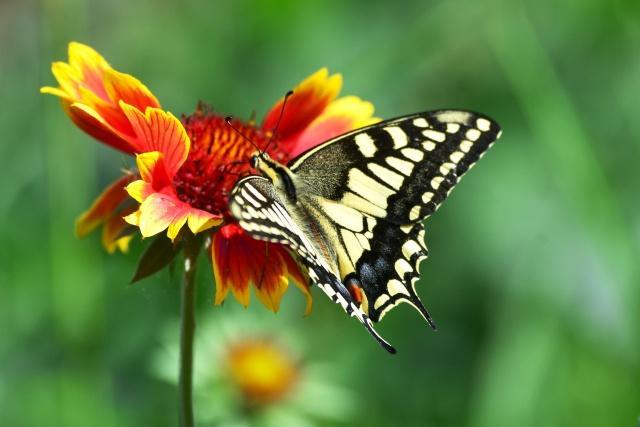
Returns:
(401, 169)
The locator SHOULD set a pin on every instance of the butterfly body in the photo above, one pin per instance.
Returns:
(352, 208)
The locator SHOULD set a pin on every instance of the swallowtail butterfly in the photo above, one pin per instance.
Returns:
(352, 208)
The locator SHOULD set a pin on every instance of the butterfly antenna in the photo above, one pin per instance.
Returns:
(227, 120)
(275, 130)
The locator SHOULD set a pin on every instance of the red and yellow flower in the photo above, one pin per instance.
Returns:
(186, 169)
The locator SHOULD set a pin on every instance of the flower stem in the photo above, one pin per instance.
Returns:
(187, 332)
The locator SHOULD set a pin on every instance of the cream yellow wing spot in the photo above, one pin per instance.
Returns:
(386, 175)
(456, 156)
(395, 287)
(366, 145)
(427, 196)
(453, 127)
(398, 136)
(344, 216)
(357, 202)
(473, 134)
(353, 247)
(435, 135)
(429, 145)
(409, 248)
(400, 165)
(414, 213)
(421, 122)
(465, 146)
(446, 168)
(436, 181)
(402, 267)
(368, 188)
(483, 124)
(413, 154)
(364, 242)
(382, 300)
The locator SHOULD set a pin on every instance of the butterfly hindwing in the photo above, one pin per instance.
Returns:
(260, 211)
(389, 271)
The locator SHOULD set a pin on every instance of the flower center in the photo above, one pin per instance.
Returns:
(218, 157)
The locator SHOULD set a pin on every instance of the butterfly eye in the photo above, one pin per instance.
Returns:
(254, 161)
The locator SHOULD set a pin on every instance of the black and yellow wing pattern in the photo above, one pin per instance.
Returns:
(262, 214)
(352, 208)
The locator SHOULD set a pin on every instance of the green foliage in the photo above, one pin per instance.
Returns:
(157, 255)
(533, 274)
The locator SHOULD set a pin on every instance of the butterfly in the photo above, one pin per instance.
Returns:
(352, 208)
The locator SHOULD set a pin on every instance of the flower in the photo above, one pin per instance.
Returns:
(186, 169)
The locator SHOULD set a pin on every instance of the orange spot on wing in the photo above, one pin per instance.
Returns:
(356, 293)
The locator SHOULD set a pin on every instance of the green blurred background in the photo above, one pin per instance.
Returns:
(533, 275)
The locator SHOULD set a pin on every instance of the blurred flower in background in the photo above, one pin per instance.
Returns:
(185, 170)
(262, 370)
(245, 376)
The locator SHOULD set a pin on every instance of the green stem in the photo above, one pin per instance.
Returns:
(187, 332)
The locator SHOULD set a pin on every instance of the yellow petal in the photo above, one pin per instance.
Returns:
(55, 92)
(270, 294)
(176, 226)
(128, 89)
(146, 163)
(82, 56)
(68, 78)
(200, 220)
(157, 212)
(139, 190)
(133, 218)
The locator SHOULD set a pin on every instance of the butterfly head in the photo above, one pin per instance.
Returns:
(263, 163)
(279, 175)
(257, 158)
